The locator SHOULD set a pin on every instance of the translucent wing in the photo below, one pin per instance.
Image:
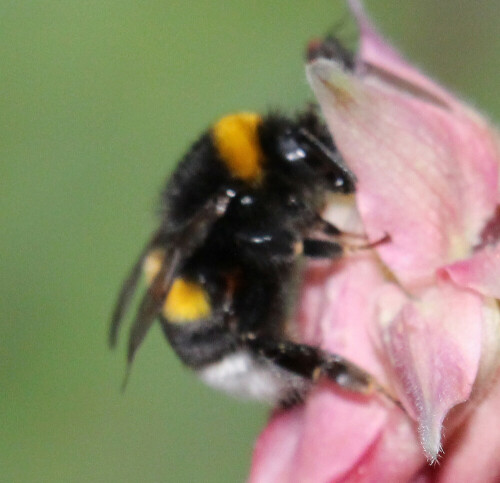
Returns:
(127, 292)
(178, 247)
(152, 301)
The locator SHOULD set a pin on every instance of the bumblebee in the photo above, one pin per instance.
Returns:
(238, 217)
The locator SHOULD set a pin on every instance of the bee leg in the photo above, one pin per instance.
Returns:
(314, 248)
(323, 241)
(322, 249)
(322, 227)
(273, 243)
(313, 363)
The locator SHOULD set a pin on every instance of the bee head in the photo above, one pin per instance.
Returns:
(303, 149)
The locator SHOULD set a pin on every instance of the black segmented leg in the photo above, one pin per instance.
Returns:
(327, 241)
(313, 363)
(324, 240)
(322, 249)
(327, 249)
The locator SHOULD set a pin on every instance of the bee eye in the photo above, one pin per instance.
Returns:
(247, 200)
(290, 149)
(339, 182)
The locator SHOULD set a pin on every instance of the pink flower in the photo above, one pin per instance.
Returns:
(420, 313)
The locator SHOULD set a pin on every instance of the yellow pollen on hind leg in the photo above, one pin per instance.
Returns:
(186, 302)
(237, 142)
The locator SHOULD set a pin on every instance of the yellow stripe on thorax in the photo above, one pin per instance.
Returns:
(186, 301)
(237, 142)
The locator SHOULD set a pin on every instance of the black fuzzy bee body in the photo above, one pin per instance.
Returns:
(239, 214)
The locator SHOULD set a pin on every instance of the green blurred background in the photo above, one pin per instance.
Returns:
(98, 99)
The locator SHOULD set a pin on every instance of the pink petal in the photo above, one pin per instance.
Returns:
(318, 442)
(375, 52)
(327, 436)
(276, 448)
(480, 272)
(378, 59)
(472, 443)
(473, 452)
(435, 346)
(394, 454)
(339, 309)
(425, 176)
(395, 457)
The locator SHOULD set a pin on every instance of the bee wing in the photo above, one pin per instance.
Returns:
(180, 246)
(153, 300)
(127, 291)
